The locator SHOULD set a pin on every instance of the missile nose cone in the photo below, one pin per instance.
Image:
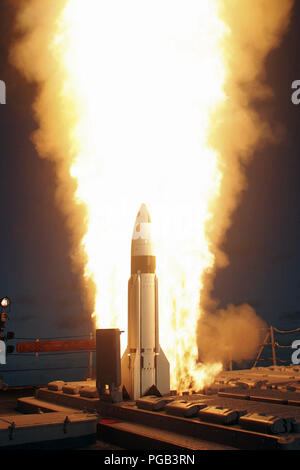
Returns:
(143, 215)
(142, 224)
(141, 243)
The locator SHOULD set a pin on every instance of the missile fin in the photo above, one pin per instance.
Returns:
(163, 373)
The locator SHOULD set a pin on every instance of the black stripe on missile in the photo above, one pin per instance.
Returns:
(144, 264)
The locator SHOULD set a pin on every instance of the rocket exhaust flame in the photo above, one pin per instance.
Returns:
(152, 101)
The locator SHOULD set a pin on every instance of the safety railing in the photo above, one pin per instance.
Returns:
(59, 345)
(270, 340)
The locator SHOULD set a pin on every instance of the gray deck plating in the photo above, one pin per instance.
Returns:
(273, 391)
(232, 436)
(18, 430)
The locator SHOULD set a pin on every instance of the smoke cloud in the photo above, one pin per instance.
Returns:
(255, 28)
(35, 33)
(230, 334)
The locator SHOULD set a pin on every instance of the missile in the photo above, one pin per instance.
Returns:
(144, 365)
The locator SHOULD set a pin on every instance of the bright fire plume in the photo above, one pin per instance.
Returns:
(131, 92)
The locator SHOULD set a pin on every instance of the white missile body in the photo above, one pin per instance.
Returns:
(143, 364)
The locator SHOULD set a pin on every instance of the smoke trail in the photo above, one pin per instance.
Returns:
(36, 25)
(255, 29)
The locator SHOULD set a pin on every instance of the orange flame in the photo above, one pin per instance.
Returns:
(146, 103)
(130, 97)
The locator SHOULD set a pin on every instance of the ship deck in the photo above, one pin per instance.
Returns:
(269, 396)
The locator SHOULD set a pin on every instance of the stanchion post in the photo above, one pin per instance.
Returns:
(273, 345)
(91, 360)
(261, 348)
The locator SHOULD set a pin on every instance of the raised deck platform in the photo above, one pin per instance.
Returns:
(249, 409)
(264, 401)
(48, 430)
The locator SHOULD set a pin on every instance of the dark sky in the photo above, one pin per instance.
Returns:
(263, 243)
